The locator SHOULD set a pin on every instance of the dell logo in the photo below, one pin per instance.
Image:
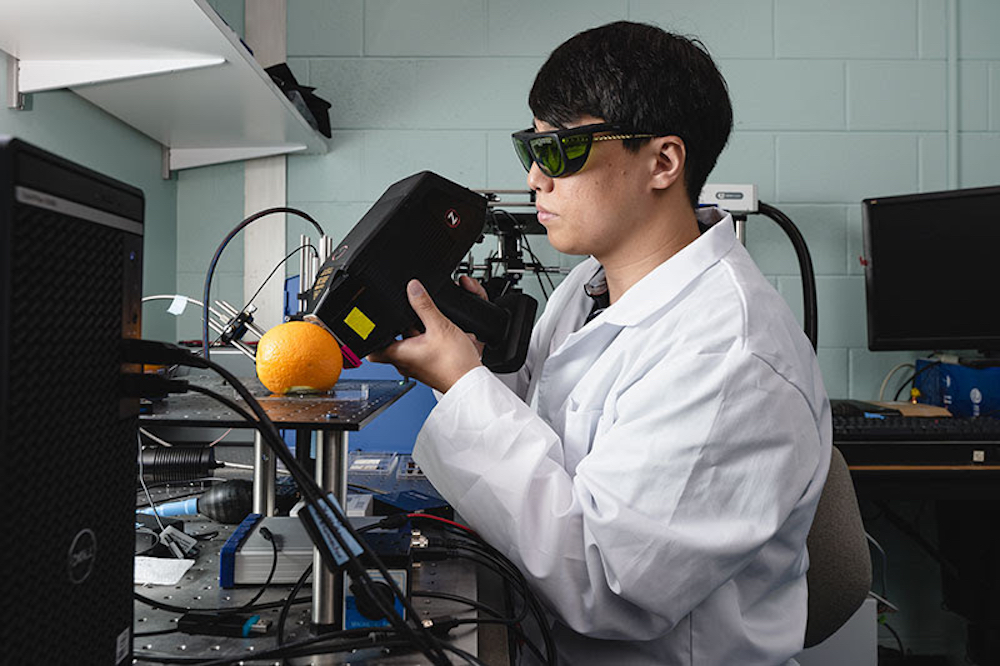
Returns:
(82, 554)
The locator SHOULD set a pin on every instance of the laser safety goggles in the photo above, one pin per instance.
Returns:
(564, 152)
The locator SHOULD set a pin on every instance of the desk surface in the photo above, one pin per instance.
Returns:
(927, 482)
(350, 405)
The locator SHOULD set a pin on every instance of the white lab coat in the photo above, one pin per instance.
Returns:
(653, 473)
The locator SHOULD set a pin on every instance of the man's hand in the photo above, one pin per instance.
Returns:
(441, 354)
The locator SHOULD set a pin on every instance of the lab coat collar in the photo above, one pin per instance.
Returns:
(659, 287)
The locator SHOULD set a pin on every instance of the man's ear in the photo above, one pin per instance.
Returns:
(670, 157)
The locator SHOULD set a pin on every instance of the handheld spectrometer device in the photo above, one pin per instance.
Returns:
(422, 227)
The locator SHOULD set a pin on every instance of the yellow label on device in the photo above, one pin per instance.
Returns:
(360, 323)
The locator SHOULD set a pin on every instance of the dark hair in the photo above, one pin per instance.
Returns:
(643, 78)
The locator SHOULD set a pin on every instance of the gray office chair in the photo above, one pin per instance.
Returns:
(840, 566)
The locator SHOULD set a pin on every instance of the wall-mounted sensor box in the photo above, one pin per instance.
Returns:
(737, 199)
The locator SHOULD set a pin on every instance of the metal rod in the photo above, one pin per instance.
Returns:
(741, 230)
(257, 330)
(227, 307)
(233, 313)
(264, 471)
(331, 475)
(556, 270)
(171, 297)
(325, 250)
(305, 260)
(510, 204)
(249, 353)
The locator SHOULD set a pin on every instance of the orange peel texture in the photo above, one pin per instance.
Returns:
(298, 357)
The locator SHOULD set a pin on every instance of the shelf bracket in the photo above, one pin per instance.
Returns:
(39, 75)
(15, 100)
(164, 162)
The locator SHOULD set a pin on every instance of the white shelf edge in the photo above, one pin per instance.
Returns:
(243, 50)
(187, 158)
(41, 75)
(171, 69)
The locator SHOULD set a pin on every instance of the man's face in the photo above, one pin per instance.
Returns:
(595, 210)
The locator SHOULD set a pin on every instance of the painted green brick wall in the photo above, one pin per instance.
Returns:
(834, 102)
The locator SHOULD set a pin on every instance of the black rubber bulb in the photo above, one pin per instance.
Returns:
(228, 502)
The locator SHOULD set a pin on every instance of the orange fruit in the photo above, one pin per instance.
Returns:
(298, 357)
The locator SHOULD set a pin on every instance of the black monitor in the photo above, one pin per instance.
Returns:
(932, 270)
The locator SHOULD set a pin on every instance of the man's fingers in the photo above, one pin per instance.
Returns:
(472, 285)
(423, 305)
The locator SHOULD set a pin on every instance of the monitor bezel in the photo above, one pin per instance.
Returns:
(877, 339)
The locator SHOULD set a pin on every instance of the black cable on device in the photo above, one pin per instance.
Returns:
(222, 246)
(912, 378)
(809, 311)
(479, 548)
(275, 270)
(267, 279)
(513, 624)
(145, 351)
(487, 561)
(472, 546)
(283, 616)
(161, 632)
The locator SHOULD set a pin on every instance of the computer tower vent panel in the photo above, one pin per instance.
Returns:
(68, 289)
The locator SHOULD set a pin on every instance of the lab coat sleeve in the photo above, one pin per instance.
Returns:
(678, 494)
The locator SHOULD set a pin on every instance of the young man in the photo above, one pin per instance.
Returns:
(654, 468)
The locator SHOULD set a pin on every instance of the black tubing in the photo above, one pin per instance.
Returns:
(805, 268)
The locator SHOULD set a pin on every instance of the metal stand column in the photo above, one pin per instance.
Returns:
(331, 475)
(264, 473)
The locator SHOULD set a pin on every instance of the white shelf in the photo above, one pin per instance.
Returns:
(172, 69)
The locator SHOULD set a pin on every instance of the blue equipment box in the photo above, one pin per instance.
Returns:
(964, 391)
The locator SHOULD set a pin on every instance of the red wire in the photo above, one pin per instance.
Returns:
(442, 520)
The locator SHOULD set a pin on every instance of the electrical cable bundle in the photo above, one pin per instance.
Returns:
(464, 543)
(331, 532)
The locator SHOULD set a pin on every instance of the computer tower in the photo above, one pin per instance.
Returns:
(70, 289)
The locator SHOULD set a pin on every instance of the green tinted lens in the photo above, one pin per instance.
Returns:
(547, 155)
(576, 146)
(521, 148)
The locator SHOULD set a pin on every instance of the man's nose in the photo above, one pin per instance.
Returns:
(538, 181)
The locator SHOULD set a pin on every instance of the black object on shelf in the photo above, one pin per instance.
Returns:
(314, 109)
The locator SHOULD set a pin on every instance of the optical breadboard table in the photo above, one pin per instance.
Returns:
(156, 637)
(349, 406)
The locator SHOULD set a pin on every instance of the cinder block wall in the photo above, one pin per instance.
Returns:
(834, 102)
